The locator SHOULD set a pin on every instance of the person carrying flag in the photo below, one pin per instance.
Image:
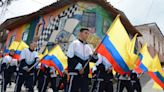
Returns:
(79, 52)
(124, 81)
(8, 68)
(28, 58)
(1, 57)
(135, 80)
(48, 75)
(102, 75)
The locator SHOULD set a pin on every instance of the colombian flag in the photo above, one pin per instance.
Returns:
(130, 49)
(56, 58)
(156, 64)
(156, 86)
(144, 61)
(158, 77)
(114, 47)
(18, 47)
(156, 72)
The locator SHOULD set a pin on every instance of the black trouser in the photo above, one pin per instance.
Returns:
(43, 83)
(74, 83)
(136, 85)
(78, 83)
(84, 82)
(106, 86)
(29, 79)
(7, 74)
(124, 83)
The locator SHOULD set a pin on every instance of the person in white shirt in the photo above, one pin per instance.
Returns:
(8, 67)
(124, 81)
(102, 75)
(79, 52)
(1, 57)
(47, 74)
(28, 58)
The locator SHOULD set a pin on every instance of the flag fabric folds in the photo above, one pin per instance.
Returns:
(56, 58)
(114, 47)
(132, 55)
(158, 77)
(156, 64)
(18, 47)
(157, 86)
(156, 72)
(144, 60)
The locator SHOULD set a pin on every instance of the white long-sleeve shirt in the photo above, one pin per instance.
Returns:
(28, 56)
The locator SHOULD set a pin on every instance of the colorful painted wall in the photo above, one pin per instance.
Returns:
(62, 26)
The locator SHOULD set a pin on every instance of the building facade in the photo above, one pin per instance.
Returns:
(154, 38)
(61, 21)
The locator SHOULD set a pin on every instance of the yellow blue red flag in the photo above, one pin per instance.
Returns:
(158, 77)
(132, 55)
(144, 60)
(18, 47)
(114, 47)
(56, 58)
(156, 72)
(157, 86)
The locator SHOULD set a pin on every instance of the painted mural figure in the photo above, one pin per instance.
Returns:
(79, 52)
(28, 58)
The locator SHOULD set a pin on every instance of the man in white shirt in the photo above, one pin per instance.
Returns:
(28, 58)
(103, 75)
(79, 53)
(8, 68)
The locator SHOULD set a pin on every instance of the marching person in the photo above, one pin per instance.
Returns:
(103, 75)
(135, 80)
(53, 77)
(79, 53)
(124, 81)
(47, 74)
(42, 78)
(28, 58)
(1, 57)
(8, 67)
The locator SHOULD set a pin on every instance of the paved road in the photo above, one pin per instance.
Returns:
(146, 83)
(146, 88)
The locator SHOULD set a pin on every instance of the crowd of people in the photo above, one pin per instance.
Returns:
(75, 77)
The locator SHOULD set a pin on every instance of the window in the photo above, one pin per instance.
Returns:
(154, 41)
(12, 39)
(25, 35)
(105, 26)
(159, 47)
(150, 31)
(88, 19)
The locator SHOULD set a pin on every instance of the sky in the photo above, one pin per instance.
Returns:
(138, 11)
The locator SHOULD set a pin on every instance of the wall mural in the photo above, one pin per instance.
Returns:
(64, 27)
